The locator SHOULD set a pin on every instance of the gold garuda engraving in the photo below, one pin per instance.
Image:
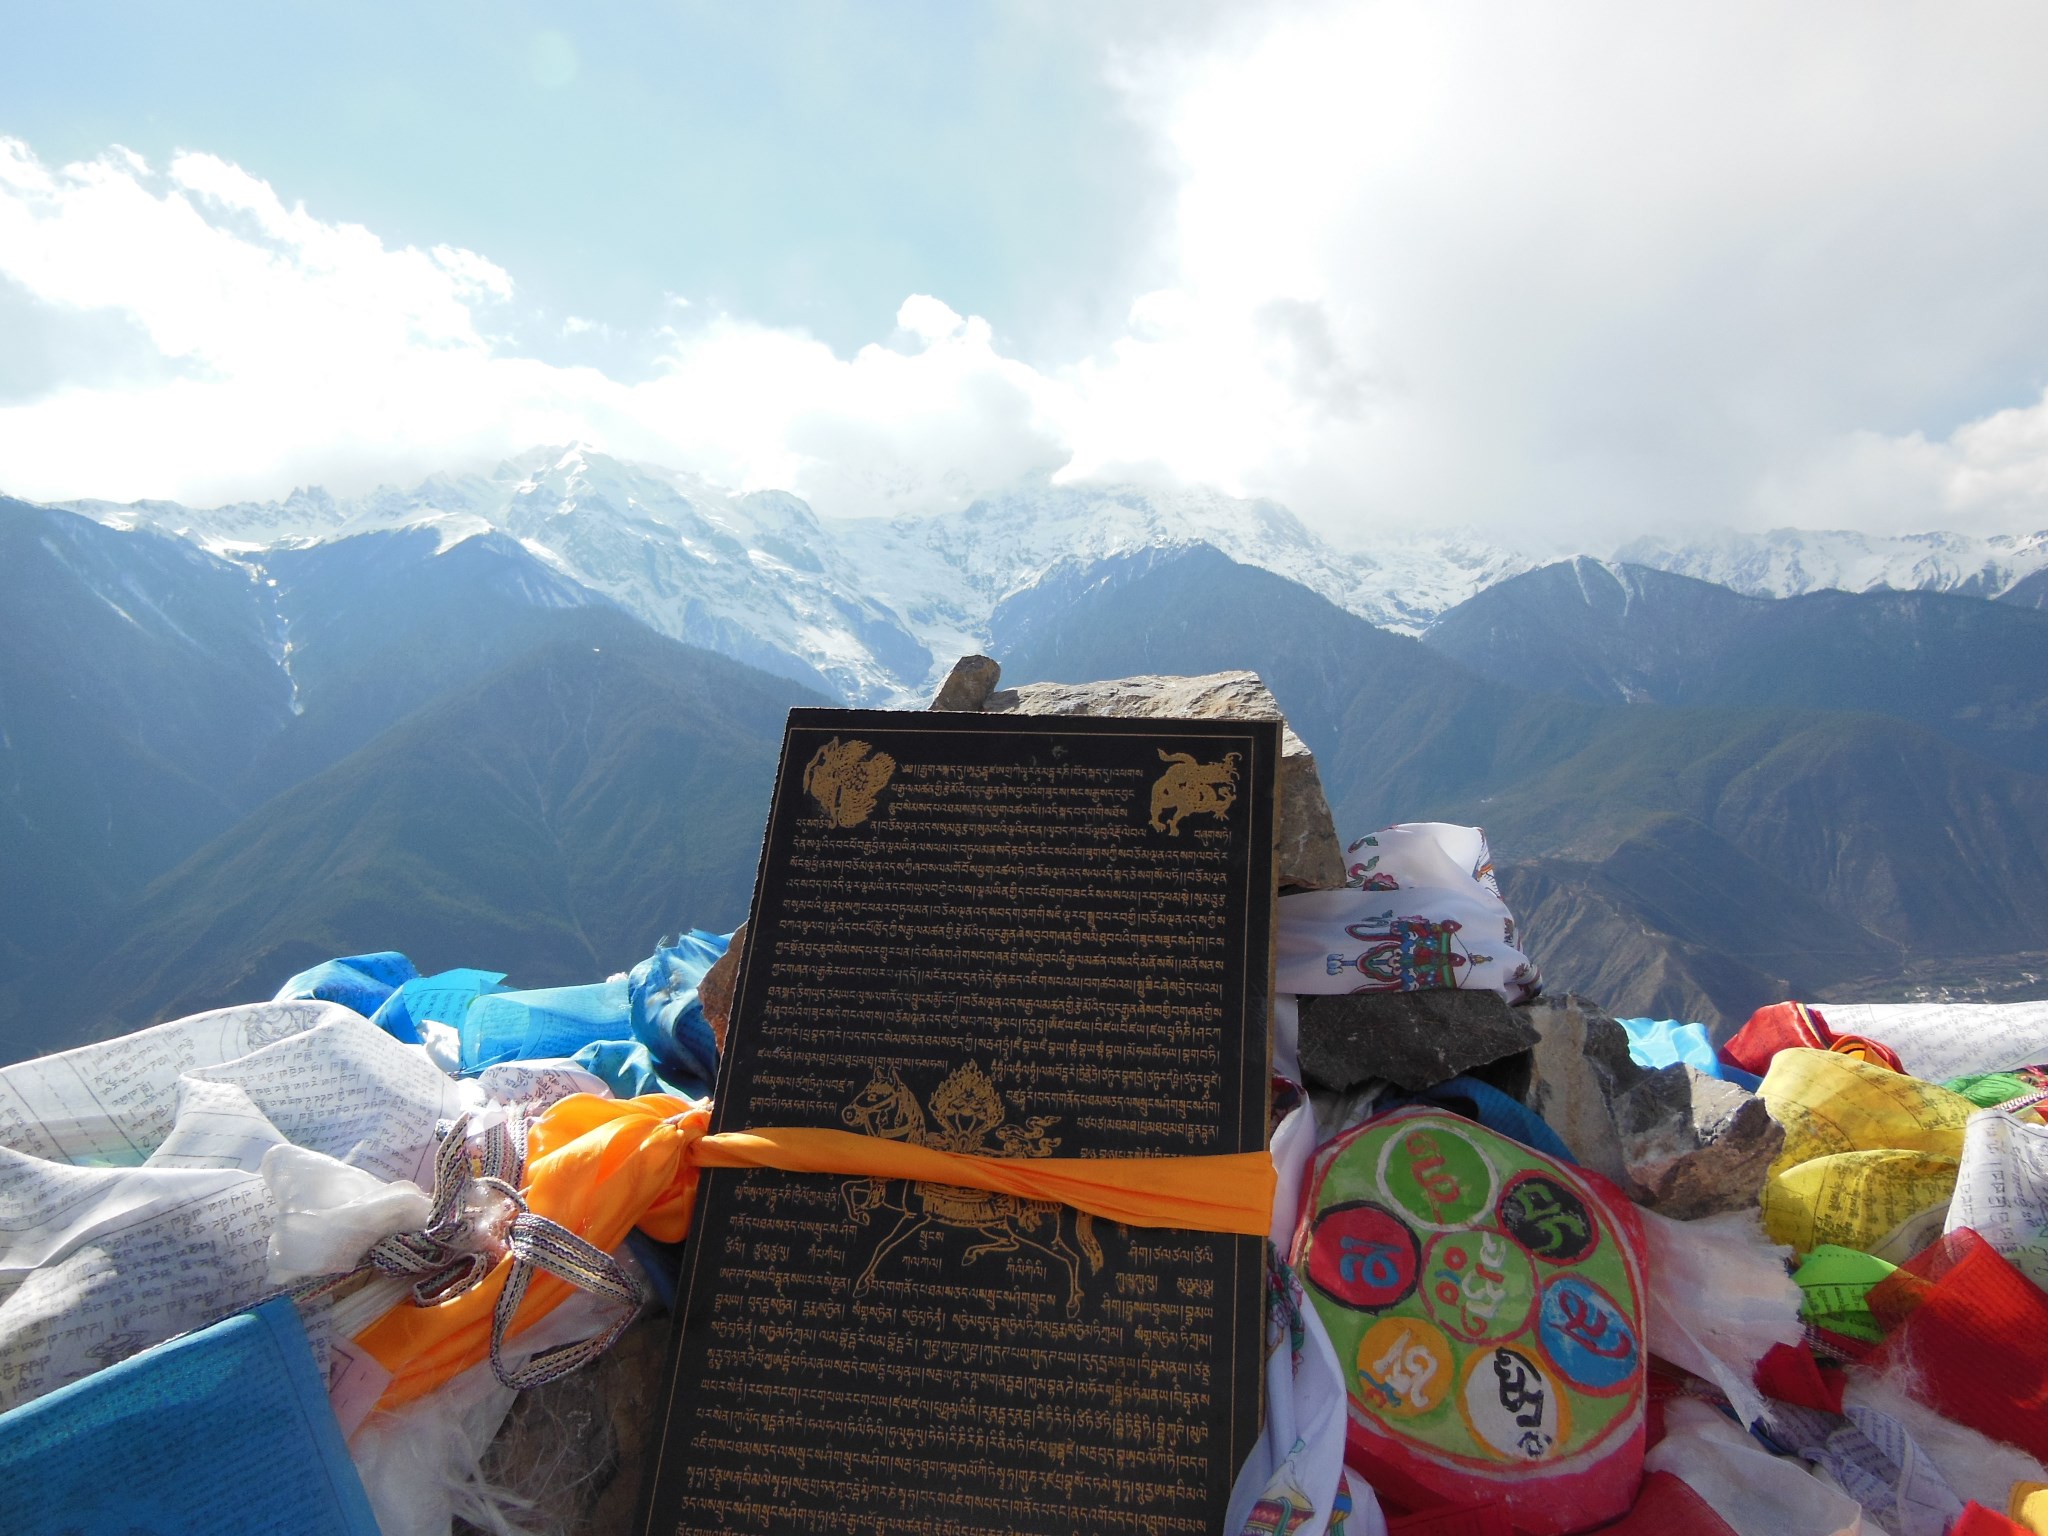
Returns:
(967, 1115)
(846, 778)
(1189, 788)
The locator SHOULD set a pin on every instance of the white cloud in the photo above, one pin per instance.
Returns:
(929, 319)
(311, 351)
(1589, 267)
(1568, 271)
(1988, 475)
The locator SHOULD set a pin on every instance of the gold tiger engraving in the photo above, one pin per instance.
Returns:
(1189, 788)
(846, 778)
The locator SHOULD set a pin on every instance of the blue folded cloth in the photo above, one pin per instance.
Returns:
(644, 1032)
(361, 982)
(443, 998)
(626, 1068)
(668, 1019)
(226, 1431)
(547, 1021)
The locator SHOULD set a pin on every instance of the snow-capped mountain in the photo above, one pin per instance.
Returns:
(308, 513)
(871, 610)
(1787, 562)
(751, 576)
(875, 610)
(953, 569)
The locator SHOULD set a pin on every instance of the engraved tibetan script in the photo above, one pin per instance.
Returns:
(1014, 937)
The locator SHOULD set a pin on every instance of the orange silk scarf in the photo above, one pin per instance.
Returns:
(601, 1167)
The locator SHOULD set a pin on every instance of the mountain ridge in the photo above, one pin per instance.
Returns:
(873, 610)
(1698, 861)
(1974, 672)
(1790, 562)
(1711, 798)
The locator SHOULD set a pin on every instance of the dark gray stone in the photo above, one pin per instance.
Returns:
(1695, 1145)
(968, 685)
(576, 1447)
(1676, 1140)
(1413, 1040)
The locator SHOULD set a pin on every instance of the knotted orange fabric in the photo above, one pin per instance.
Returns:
(601, 1167)
(1865, 1049)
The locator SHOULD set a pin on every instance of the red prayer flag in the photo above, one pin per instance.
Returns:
(1974, 1331)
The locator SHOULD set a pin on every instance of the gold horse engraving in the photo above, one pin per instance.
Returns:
(970, 1118)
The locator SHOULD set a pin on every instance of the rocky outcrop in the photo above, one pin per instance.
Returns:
(969, 684)
(1307, 854)
(1694, 1145)
(574, 1449)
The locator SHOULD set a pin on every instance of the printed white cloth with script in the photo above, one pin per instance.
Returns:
(1422, 910)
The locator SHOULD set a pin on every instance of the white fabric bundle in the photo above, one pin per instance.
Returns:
(1423, 910)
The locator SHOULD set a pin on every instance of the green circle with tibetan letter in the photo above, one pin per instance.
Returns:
(1478, 1284)
(1437, 1175)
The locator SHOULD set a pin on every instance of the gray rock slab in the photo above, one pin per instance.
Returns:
(1413, 1040)
(1579, 1065)
(1307, 853)
(576, 1447)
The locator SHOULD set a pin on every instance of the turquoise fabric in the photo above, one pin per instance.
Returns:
(444, 998)
(1666, 1042)
(644, 1032)
(548, 1021)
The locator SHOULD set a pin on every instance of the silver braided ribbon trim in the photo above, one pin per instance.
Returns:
(538, 1243)
(444, 1258)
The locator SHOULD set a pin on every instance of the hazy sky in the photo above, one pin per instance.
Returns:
(1560, 272)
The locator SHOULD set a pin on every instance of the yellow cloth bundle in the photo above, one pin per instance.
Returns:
(1870, 1157)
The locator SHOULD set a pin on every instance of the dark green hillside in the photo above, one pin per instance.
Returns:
(551, 822)
(379, 623)
(135, 683)
(1691, 861)
(1592, 936)
(147, 704)
(1973, 672)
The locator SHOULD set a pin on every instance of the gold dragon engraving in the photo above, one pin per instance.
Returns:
(846, 778)
(1189, 788)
